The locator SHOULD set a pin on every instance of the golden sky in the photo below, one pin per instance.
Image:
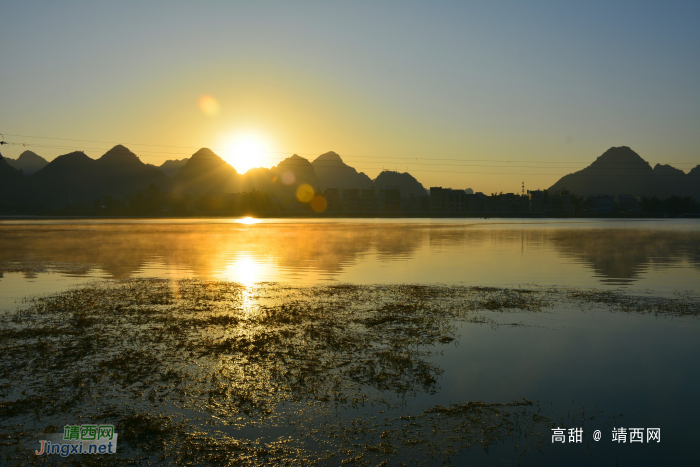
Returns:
(460, 95)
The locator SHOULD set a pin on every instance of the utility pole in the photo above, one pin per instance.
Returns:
(2, 141)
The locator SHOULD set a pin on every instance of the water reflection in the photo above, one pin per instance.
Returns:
(245, 270)
(372, 252)
(625, 254)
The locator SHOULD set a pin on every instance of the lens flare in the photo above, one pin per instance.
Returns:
(208, 105)
(319, 203)
(288, 178)
(305, 193)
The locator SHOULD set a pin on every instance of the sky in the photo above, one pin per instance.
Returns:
(481, 95)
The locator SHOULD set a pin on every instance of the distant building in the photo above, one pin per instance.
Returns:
(456, 200)
(521, 203)
(436, 199)
(424, 203)
(447, 200)
(513, 203)
(536, 198)
(350, 202)
(415, 203)
(601, 203)
(368, 201)
(476, 202)
(390, 199)
(333, 199)
(629, 203)
(560, 203)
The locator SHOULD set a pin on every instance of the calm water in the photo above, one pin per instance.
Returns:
(659, 255)
(636, 370)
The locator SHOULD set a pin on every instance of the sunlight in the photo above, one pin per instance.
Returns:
(248, 221)
(245, 152)
(244, 270)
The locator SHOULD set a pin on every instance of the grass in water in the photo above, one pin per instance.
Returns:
(215, 373)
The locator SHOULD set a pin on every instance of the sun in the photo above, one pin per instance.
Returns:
(245, 152)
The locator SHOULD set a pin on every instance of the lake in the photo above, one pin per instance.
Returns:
(658, 255)
(593, 323)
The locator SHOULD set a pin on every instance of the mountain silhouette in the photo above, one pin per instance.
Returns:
(332, 172)
(621, 171)
(302, 170)
(11, 183)
(264, 179)
(405, 181)
(8, 173)
(28, 162)
(173, 166)
(75, 178)
(665, 170)
(205, 172)
(66, 176)
(123, 170)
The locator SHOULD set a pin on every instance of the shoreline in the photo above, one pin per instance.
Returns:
(287, 215)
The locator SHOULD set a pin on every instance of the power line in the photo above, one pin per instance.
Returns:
(385, 162)
(347, 157)
(269, 152)
(105, 142)
(354, 169)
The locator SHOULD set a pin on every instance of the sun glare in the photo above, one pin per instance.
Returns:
(248, 221)
(246, 152)
(244, 270)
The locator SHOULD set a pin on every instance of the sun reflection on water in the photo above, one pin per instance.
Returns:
(248, 221)
(245, 270)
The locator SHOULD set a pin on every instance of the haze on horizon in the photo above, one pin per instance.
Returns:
(401, 86)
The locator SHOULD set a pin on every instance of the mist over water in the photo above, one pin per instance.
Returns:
(663, 256)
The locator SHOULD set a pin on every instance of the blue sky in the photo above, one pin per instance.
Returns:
(400, 85)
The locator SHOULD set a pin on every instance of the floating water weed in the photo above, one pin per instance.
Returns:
(185, 368)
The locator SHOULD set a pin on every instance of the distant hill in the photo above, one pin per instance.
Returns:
(621, 171)
(28, 162)
(260, 179)
(8, 174)
(173, 166)
(405, 181)
(332, 172)
(665, 170)
(205, 171)
(75, 178)
(302, 169)
(121, 171)
(11, 184)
